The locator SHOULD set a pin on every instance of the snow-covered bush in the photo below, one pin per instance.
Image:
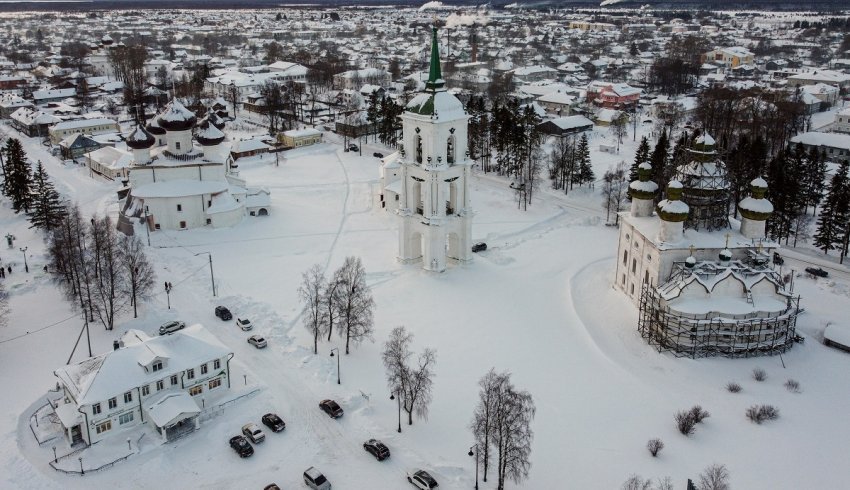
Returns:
(760, 413)
(733, 387)
(654, 446)
(685, 422)
(698, 414)
(792, 385)
(759, 374)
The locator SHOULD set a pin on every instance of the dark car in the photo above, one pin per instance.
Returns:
(273, 422)
(241, 445)
(378, 155)
(817, 271)
(479, 247)
(271, 486)
(331, 408)
(777, 259)
(377, 449)
(353, 147)
(223, 313)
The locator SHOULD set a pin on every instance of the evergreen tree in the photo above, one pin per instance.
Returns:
(585, 171)
(641, 156)
(815, 174)
(47, 209)
(659, 158)
(835, 213)
(18, 176)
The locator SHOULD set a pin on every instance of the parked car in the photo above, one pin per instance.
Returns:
(314, 479)
(817, 271)
(422, 480)
(273, 422)
(257, 341)
(241, 446)
(479, 247)
(223, 313)
(271, 486)
(331, 408)
(378, 155)
(353, 147)
(244, 323)
(171, 327)
(777, 259)
(377, 449)
(251, 431)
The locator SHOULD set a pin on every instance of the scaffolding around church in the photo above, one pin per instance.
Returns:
(705, 189)
(715, 334)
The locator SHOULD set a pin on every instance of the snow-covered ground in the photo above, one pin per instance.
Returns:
(537, 303)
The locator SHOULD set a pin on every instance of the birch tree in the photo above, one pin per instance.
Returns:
(138, 271)
(354, 307)
(310, 291)
(413, 384)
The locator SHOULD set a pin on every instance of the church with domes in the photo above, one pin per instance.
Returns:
(703, 281)
(425, 183)
(182, 177)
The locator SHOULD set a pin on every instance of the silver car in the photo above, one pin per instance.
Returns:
(314, 479)
(257, 341)
(171, 327)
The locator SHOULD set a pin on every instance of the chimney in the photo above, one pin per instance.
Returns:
(116, 345)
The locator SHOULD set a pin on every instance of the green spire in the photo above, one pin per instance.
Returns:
(435, 75)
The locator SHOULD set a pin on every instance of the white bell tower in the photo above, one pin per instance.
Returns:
(436, 219)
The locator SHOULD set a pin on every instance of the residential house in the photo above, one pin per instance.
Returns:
(828, 77)
(165, 381)
(564, 126)
(41, 97)
(62, 130)
(32, 122)
(77, 145)
(612, 95)
(842, 121)
(296, 138)
(835, 146)
(354, 79)
(729, 57)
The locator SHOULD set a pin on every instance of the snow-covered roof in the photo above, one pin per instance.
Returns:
(572, 122)
(223, 203)
(169, 408)
(441, 104)
(99, 378)
(179, 188)
(302, 133)
(84, 123)
(815, 138)
(840, 334)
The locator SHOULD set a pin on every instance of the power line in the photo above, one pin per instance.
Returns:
(39, 329)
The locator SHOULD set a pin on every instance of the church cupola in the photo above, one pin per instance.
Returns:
(141, 141)
(642, 192)
(208, 134)
(755, 210)
(156, 130)
(178, 123)
(216, 120)
(673, 213)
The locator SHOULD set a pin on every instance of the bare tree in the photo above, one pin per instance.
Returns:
(636, 482)
(619, 128)
(4, 306)
(614, 191)
(665, 483)
(355, 304)
(714, 477)
(331, 300)
(413, 384)
(513, 435)
(106, 259)
(654, 446)
(310, 291)
(483, 418)
(138, 270)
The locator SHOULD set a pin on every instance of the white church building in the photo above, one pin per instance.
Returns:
(703, 281)
(426, 182)
(181, 175)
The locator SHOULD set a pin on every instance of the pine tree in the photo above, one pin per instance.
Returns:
(18, 176)
(585, 171)
(835, 212)
(815, 174)
(641, 156)
(47, 209)
(660, 157)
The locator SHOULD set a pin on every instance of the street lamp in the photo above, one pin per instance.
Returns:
(82, 471)
(337, 363)
(393, 397)
(168, 293)
(55, 459)
(26, 266)
(212, 276)
(475, 453)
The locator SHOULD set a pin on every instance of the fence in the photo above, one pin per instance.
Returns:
(217, 410)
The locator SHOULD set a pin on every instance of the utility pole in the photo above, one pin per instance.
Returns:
(212, 276)
(147, 227)
(168, 293)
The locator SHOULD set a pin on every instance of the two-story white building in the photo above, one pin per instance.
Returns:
(165, 380)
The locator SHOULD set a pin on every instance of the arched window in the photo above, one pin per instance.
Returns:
(418, 149)
(450, 150)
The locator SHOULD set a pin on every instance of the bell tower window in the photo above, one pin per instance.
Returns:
(418, 149)
(450, 150)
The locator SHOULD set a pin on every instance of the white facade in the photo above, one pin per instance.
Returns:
(433, 194)
(143, 379)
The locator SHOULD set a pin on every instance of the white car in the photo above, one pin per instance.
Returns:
(422, 480)
(251, 431)
(257, 341)
(244, 323)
